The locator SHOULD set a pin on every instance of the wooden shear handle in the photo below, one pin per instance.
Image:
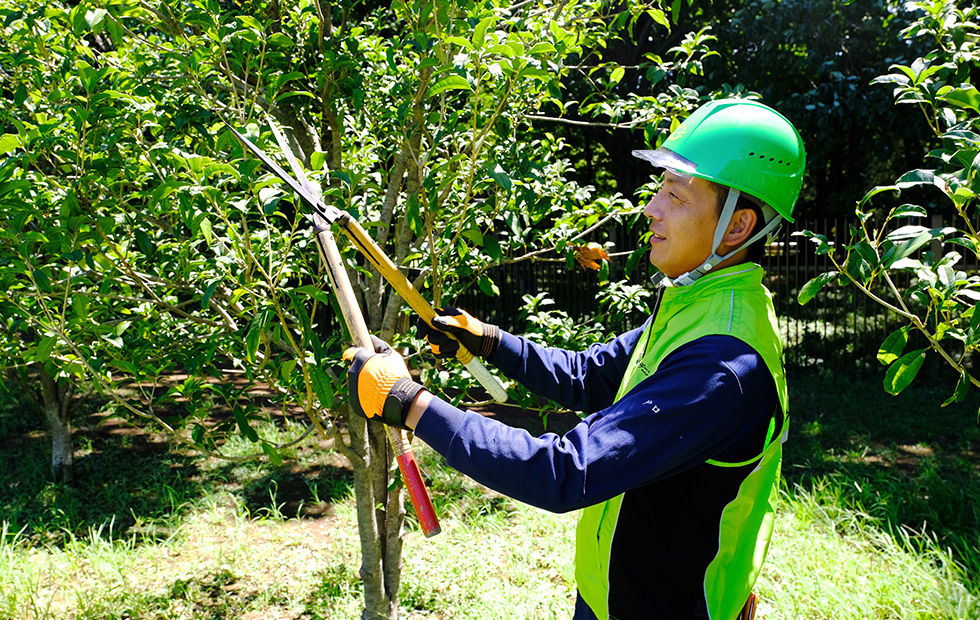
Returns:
(362, 337)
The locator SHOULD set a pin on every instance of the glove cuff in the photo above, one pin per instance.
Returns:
(399, 401)
(491, 340)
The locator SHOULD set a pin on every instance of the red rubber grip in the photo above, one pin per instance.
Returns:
(418, 493)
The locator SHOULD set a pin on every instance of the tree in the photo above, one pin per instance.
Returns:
(812, 60)
(938, 306)
(138, 239)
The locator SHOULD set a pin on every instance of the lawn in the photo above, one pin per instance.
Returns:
(879, 518)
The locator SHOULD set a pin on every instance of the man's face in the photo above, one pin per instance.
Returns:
(683, 216)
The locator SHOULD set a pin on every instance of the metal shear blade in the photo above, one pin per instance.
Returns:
(303, 189)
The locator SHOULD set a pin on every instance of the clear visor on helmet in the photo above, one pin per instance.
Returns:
(666, 158)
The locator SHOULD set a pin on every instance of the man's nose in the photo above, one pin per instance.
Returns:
(653, 210)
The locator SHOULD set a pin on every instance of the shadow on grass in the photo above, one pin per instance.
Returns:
(130, 483)
(294, 493)
(125, 479)
(905, 460)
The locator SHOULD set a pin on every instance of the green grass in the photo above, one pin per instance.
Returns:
(906, 461)
(878, 519)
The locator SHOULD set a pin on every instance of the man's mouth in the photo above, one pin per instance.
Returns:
(656, 236)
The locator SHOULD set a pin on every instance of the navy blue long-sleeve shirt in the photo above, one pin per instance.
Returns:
(710, 399)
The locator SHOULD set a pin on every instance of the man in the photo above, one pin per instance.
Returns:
(676, 466)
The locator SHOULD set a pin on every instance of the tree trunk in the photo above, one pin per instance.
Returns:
(367, 524)
(55, 401)
(380, 509)
(380, 519)
(62, 459)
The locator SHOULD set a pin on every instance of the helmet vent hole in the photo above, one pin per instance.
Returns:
(763, 157)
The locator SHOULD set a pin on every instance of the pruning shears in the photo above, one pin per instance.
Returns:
(324, 214)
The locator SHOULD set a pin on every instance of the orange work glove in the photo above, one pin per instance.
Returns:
(480, 338)
(380, 385)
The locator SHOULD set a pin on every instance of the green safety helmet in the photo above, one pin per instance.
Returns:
(741, 144)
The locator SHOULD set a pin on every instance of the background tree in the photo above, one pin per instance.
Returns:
(139, 242)
(810, 60)
(892, 258)
(813, 61)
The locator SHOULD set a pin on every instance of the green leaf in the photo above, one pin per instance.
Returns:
(559, 33)
(254, 335)
(206, 229)
(905, 248)
(9, 142)
(280, 40)
(306, 325)
(893, 346)
(272, 453)
(492, 247)
(867, 252)
(44, 349)
(919, 177)
(875, 191)
(617, 75)
(858, 268)
(317, 159)
(12, 17)
(413, 213)
(241, 418)
(947, 277)
(543, 48)
(910, 211)
(315, 293)
(488, 287)
(480, 32)
(504, 50)
(962, 389)
(208, 292)
(250, 22)
(79, 305)
(821, 241)
(198, 433)
(906, 232)
(966, 242)
(474, 236)
(450, 82)
(963, 97)
(42, 280)
(322, 387)
(903, 371)
(94, 19)
(499, 175)
(143, 241)
(811, 288)
(635, 259)
(459, 42)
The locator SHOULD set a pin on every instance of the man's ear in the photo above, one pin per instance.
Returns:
(740, 228)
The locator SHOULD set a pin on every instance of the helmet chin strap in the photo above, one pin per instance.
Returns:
(723, 221)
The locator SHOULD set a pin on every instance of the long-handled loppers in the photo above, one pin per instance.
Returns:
(323, 216)
(374, 254)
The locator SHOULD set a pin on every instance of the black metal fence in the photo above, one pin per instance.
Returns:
(839, 331)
